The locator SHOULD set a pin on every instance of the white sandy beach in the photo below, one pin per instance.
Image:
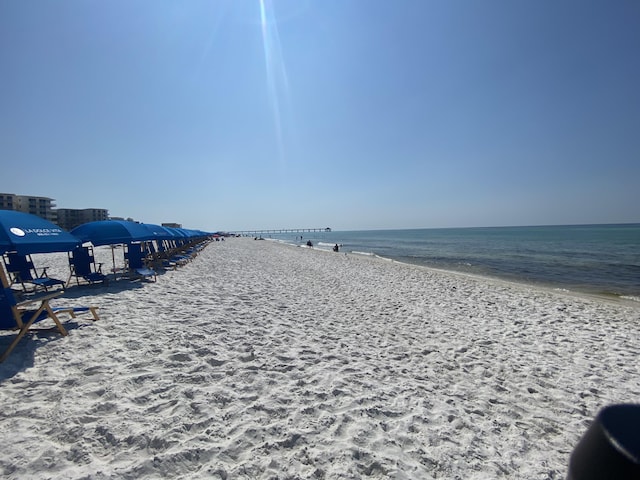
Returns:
(261, 360)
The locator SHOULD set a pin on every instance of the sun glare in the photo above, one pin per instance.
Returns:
(277, 82)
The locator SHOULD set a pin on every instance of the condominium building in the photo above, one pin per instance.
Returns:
(6, 201)
(40, 206)
(70, 218)
(66, 218)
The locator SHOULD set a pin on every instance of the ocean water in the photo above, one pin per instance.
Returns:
(595, 259)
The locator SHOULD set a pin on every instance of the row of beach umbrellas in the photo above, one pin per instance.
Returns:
(26, 234)
(111, 232)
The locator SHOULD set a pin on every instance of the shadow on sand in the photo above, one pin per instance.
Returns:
(23, 355)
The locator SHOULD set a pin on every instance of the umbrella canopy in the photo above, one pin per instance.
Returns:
(26, 234)
(159, 232)
(112, 232)
(177, 233)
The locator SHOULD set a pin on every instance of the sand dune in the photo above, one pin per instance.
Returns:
(261, 360)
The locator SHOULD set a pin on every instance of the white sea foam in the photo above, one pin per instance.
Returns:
(260, 360)
(279, 240)
(630, 297)
(366, 254)
(328, 244)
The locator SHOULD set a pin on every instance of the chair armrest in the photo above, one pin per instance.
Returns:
(39, 298)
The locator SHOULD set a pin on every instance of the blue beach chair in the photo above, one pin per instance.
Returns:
(15, 316)
(22, 271)
(82, 264)
(135, 256)
(157, 256)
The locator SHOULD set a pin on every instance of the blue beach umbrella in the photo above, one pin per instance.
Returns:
(176, 232)
(159, 232)
(26, 234)
(112, 232)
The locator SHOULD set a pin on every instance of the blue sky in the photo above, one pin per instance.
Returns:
(354, 114)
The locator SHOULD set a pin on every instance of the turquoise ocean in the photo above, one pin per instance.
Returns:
(594, 259)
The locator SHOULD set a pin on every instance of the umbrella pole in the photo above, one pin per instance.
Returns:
(3, 277)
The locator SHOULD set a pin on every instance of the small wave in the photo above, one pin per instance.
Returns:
(368, 254)
(283, 242)
(325, 244)
(633, 298)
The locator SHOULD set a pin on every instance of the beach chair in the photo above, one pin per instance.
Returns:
(135, 256)
(159, 256)
(83, 267)
(22, 271)
(15, 316)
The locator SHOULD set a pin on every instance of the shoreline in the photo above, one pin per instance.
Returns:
(627, 300)
(594, 260)
(612, 297)
(615, 298)
(257, 360)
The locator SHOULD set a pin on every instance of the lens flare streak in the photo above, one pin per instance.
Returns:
(277, 82)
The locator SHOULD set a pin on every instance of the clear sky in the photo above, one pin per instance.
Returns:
(353, 114)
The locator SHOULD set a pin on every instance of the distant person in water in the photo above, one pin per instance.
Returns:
(336, 248)
(309, 244)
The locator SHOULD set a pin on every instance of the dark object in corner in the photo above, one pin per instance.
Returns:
(611, 446)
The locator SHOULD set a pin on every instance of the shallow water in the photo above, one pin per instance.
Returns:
(600, 259)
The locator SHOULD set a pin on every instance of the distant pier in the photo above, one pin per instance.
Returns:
(279, 231)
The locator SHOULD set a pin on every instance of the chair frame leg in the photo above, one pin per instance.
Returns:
(26, 326)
